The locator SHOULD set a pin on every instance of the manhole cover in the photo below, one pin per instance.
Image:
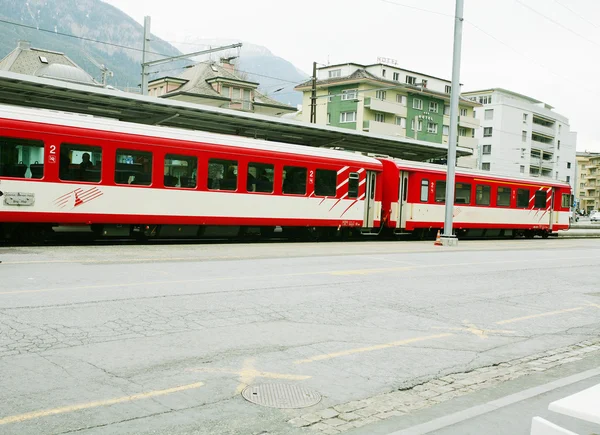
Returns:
(281, 396)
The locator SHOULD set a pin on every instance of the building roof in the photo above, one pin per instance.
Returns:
(364, 75)
(506, 91)
(390, 66)
(142, 109)
(25, 59)
(200, 75)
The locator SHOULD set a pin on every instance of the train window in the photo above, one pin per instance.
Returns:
(566, 200)
(540, 199)
(503, 197)
(522, 198)
(424, 190)
(325, 182)
(133, 167)
(353, 179)
(440, 191)
(222, 174)
(462, 193)
(180, 171)
(260, 177)
(482, 194)
(21, 158)
(80, 163)
(294, 180)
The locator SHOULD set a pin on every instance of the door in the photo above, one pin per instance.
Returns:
(402, 200)
(553, 202)
(370, 201)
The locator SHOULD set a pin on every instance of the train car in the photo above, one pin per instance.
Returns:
(485, 204)
(124, 180)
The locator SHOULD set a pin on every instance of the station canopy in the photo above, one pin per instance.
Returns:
(30, 91)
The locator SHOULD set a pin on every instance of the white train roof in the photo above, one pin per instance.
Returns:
(107, 124)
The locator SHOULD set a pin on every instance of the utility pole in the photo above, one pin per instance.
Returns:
(448, 238)
(145, 48)
(313, 96)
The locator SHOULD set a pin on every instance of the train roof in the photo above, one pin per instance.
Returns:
(91, 122)
(432, 167)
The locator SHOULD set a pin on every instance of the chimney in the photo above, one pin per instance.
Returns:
(24, 45)
(227, 64)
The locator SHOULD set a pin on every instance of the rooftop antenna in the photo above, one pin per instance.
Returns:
(105, 71)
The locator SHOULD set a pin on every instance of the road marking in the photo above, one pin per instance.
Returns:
(591, 304)
(470, 327)
(534, 316)
(247, 374)
(370, 348)
(370, 271)
(72, 408)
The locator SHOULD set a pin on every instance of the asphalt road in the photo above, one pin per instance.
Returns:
(162, 339)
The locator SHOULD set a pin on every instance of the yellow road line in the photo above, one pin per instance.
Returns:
(533, 316)
(370, 348)
(72, 408)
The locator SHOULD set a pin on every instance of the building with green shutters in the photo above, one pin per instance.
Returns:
(386, 100)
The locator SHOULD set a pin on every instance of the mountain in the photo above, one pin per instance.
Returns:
(92, 19)
(255, 63)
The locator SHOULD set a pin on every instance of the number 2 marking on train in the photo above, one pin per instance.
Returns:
(52, 149)
(52, 156)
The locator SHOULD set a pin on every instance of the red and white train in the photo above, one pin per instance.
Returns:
(124, 179)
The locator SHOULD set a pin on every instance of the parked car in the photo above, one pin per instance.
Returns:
(595, 216)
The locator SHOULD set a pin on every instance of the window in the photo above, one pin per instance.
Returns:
(463, 112)
(568, 163)
(462, 193)
(487, 131)
(80, 163)
(260, 177)
(488, 114)
(180, 171)
(559, 128)
(524, 136)
(294, 180)
(424, 190)
(522, 169)
(568, 179)
(380, 95)
(432, 127)
(417, 104)
(383, 72)
(446, 110)
(448, 89)
(329, 97)
(424, 83)
(328, 118)
(22, 158)
(540, 199)
(335, 73)
(503, 197)
(401, 121)
(440, 191)
(522, 198)
(401, 99)
(566, 200)
(524, 118)
(396, 76)
(487, 99)
(379, 117)
(482, 194)
(486, 166)
(222, 174)
(325, 182)
(420, 125)
(348, 117)
(226, 91)
(462, 131)
(558, 144)
(487, 149)
(411, 80)
(133, 167)
(353, 179)
(446, 130)
(349, 94)
(433, 106)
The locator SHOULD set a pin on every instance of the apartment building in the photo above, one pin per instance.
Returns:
(386, 100)
(522, 135)
(587, 188)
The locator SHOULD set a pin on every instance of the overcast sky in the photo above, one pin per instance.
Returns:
(556, 62)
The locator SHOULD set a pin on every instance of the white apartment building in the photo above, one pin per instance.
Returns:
(522, 135)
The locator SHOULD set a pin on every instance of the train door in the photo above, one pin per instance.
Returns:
(402, 200)
(369, 221)
(553, 203)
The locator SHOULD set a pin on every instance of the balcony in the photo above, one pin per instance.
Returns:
(384, 128)
(385, 106)
(537, 162)
(542, 129)
(591, 176)
(469, 142)
(464, 121)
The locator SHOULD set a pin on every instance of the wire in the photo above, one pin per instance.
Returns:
(558, 23)
(416, 8)
(81, 37)
(581, 17)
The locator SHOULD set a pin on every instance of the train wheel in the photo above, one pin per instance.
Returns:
(545, 235)
(529, 234)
